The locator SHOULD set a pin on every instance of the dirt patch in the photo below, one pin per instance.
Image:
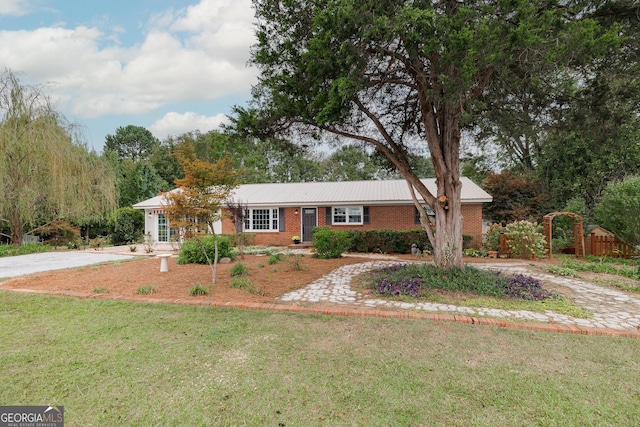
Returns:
(269, 281)
(125, 278)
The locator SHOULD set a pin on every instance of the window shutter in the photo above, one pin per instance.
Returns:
(281, 219)
(416, 216)
(365, 215)
(239, 224)
(328, 215)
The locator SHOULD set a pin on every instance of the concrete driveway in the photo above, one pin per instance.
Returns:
(35, 263)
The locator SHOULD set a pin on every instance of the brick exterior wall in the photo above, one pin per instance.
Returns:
(381, 218)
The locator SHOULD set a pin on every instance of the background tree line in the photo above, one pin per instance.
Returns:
(147, 166)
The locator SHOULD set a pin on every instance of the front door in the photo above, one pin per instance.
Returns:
(309, 220)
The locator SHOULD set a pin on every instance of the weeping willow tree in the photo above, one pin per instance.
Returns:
(45, 172)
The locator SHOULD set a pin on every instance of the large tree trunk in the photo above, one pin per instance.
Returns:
(447, 238)
(15, 225)
(447, 249)
(442, 130)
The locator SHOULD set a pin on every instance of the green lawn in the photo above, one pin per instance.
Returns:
(119, 363)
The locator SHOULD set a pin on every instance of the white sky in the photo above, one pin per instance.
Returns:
(171, 66)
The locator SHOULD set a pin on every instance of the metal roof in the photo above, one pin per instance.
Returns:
(332, 193)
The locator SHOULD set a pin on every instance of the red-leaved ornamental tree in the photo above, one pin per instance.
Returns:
(197, 204)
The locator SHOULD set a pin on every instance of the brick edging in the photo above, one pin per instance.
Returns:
(353, 312)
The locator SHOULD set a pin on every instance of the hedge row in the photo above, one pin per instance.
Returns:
(383, 241)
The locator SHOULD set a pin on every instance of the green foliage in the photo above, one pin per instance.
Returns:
(466, 241)
(239, 269)
(191, 251)
(629, 271)
(578, 206)
(409, 70)
(492, 237)
(595, 140)
(474, 253)
(165, 164)
(524, 239)
(245, 284)
(618, 209)
(127, 226)
(100, 290)
(198, 290)
(469, 279)
(137, 182)
(275, 258)
(613, 260)
(145, 290)
(562, 271)
(389, 241)
(131, 142)
(328, 243)
(26, 249)
(45, 172)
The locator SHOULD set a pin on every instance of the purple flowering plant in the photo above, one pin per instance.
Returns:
(412, 280)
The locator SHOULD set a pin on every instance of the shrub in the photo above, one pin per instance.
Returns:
(191, 250)
(466, 241)
(618, 209)
(492, 237)
(329, 243)
(475, 253)
(60, 233)
(126, 225)
(524, 239)
(388, 241)
(239, 270)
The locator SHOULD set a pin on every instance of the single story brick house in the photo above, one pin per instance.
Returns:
(279, 211)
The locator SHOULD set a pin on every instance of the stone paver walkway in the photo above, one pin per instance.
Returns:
(611, 309)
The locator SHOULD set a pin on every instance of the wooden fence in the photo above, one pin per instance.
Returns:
(610, 246)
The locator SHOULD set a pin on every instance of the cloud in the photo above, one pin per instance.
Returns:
(194, 54)
(14, 7)
(174, 124)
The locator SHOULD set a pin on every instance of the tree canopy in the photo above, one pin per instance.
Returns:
(45, 172)
(393, 74)
(619, 207)
(131, 142)
(576, 128)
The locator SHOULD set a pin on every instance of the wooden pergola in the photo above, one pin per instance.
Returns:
(578, 232)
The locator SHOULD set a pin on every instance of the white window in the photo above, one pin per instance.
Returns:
(165, 233)
(261, 220)
(347, 215)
